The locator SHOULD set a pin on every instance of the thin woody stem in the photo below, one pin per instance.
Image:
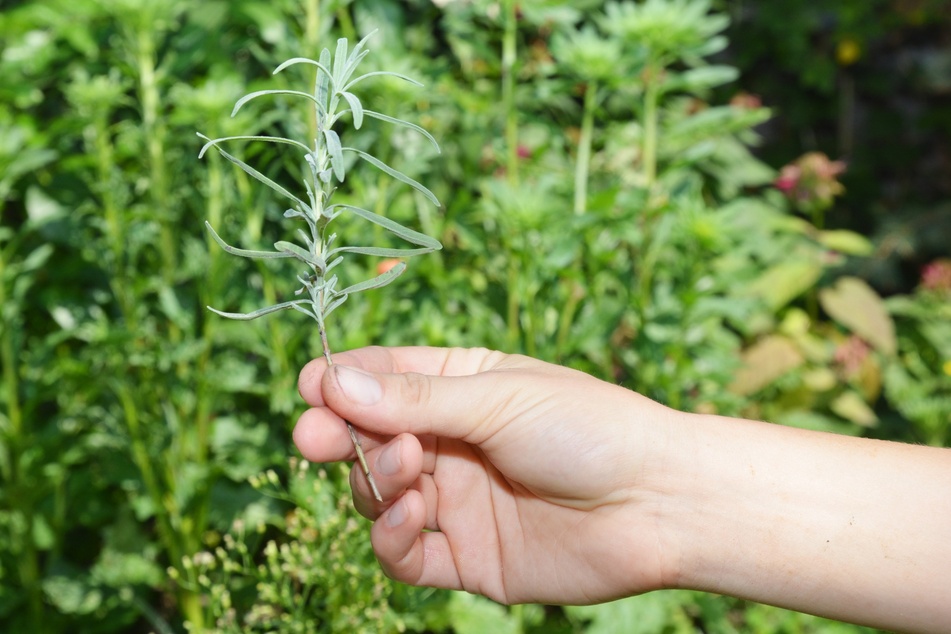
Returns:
(357, 446)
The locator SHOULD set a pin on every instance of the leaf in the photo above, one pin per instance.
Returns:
(340, 58)
(269, 139)
(357, 54)
(644, 614)
(259, 176)
(324, 80)
(380, 72)
(336, 153)
(382, 252)
(356, 108)
(337, 301)
(847, 242)
(855, 305)
(471, 614)
(376, 282)
(786, 281)
(261, 93)
(302, 60)
(405, 124)
(405, 233)
(851, 407)
(245, 253)
(261, 312)
(400, 176)
(764, 362)
(301, 254)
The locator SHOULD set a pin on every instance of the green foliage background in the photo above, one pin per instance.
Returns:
(606, 180)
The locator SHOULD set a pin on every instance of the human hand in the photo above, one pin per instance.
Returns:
(501, 475)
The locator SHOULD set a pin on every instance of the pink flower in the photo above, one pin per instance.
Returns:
(936, 276)
(851, 354)
(788, 178)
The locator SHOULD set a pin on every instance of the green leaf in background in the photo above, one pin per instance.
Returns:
(764, 362)
(847, 242)
(786, 281)
(854, 304)
(850, 406)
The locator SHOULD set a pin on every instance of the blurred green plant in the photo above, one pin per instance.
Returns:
(142, 416)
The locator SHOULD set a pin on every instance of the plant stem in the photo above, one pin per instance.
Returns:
(651, 124)
(512, 318)
(21, 501)
(583, 163)
(509, 51)
(357, 446)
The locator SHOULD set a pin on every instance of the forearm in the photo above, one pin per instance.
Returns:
(857, 530)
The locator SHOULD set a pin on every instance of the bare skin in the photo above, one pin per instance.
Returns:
(529, 482)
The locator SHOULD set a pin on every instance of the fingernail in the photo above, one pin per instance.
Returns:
(358, 386)
(390, 460)
(397, 514)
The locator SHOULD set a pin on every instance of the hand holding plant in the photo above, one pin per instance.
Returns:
(325, 167)
(525, 481)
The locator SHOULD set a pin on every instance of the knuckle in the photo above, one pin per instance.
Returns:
(417, 388)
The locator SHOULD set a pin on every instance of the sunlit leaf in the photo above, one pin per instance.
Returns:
(336, 153)
(356, 108)
(376, 282)
(260, 312)
(378, 73)
(261, 93)
(259, 176)
(405, 124)
(394, 227)
(855, 305)
(245, 253)
(400, 176)
(765, 362)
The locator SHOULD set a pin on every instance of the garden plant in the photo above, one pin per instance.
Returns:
(613, 195)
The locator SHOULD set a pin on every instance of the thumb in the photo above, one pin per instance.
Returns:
(452, 407)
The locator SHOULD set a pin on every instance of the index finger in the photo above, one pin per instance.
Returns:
(420, 359)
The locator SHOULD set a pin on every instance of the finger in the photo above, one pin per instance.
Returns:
(424, 360)
(322, 436)
(395, 467)
(408, 555)
(469, 408)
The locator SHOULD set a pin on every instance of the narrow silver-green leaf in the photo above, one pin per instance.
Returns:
(301, 60)
(382, 252)
(260, 312)
(245, 253)
(356, 109)
(261, 93)
(405, 124)
(324, 79)
(268, 139)
(301, 254)
(259, 176)
(309, 312)
(400, 176)
(376, 73)
(357, 54)
(376, 282)
(336, 153)
(334, 303)
(406, 233)
(340, 58)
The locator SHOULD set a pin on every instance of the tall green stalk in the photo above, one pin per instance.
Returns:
(583, 163)
(651, 123)
(509, 107)
(20, 499)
